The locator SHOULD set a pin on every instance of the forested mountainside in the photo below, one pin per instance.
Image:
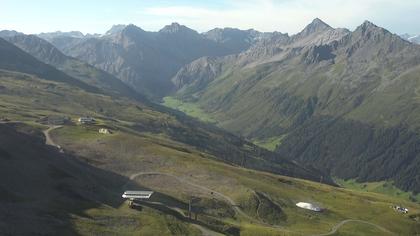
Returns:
(344, 101)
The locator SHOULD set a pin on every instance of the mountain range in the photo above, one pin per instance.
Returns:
(334, 105)
(147, 60)
(266, 86)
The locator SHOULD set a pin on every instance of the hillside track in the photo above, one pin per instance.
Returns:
(48, 140)
(340, 224)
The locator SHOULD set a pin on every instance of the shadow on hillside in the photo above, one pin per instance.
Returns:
(45, 189)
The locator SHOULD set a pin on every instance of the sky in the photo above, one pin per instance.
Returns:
(286, 16)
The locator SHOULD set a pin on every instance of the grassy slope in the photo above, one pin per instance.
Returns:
(130, 150)
(353, 229)
(66, 196)
(269, 143)
(195, 111)
(190, 109)
(260, 103)
(142, 152)
(383, 187)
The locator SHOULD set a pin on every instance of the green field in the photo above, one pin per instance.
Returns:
(383, 187)
(190, 109)
(269, 143)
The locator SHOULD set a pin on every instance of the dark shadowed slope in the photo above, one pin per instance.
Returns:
(41, 188)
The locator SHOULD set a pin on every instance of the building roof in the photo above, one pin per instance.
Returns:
(137, 194)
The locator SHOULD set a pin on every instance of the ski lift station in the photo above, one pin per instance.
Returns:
(309, 206)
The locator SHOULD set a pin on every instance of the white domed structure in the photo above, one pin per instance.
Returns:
(308, 206)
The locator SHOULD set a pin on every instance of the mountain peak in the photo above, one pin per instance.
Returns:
(175, 28)
(115, 29)
(318, 21)
(368, 26)
(131, 29)
(317, 25)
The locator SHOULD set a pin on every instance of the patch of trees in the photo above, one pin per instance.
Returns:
(350, 149)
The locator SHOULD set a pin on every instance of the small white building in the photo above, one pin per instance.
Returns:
(309, 206)
(86, 120)
(104, 131)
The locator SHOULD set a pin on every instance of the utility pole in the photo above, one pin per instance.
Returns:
(189, 208)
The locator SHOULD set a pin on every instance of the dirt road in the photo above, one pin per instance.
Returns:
(48, 139)
(339, 225)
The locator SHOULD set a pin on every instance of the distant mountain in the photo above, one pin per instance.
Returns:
(145, 60)
(235, 40)
(47, 53)
(73, 34)
(411, 38)
(115, 29)
(346, 102)
(9, 33)
(63, 40)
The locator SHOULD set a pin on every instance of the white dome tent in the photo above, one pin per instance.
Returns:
(309, 206)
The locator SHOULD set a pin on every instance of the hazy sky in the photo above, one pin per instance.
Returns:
(287, 16)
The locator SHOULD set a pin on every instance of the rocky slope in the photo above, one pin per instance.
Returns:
(235, 40)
